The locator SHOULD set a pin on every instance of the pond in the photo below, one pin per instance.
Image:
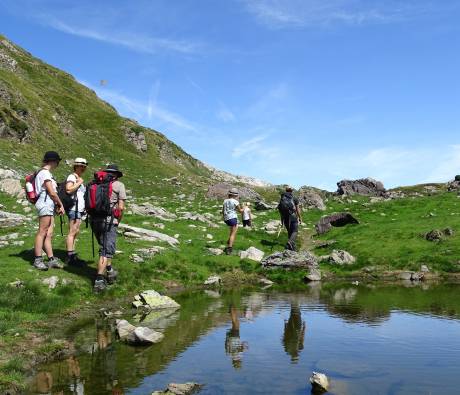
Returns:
(368, 339)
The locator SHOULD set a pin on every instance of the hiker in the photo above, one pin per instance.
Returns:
(289, 210)
(47, 205)
(104, 219)
(76, 189)
(229, 209)
(247, 215)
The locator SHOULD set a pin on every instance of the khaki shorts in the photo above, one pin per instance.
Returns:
(44, 210)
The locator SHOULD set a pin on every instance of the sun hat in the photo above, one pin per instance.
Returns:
(289, 188)
(114, 169)
(51, 156)
(80, 162)
(233, 192)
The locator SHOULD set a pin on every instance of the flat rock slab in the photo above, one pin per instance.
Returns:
(146, 234)
(180, 389)
(326, 223)
(155, 301)
(290, 260)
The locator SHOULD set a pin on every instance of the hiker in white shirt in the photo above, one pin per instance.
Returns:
(75, 187)
(229, 213)
(47, 205)
(247, 215)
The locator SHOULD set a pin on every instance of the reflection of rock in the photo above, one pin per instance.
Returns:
(179, 389)
(290, 260)
(345, 295)
(319, 382)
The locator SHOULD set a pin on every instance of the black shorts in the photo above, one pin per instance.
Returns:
(246, 222)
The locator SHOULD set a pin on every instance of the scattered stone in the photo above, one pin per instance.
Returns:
(8, 220)
(272, 226)
(152, 300)
(411, 276)
(213, 281)
(136, 138)
(136, 258)
(16, 284)
(149, 209)
(355, 282)
(290, 260)
(147, 336)
(341, 257)
(424, 269)
(252, 253)
(314, 274)
(200, 218)
(142, 254)
(434, 235)
(260, 205)
(11, 186)
(51, 282)
(364, 186)
(179, 389)
(265, 281)
(146, 234)
(338, 219)
(124, 329)
(215, 251)
(209, 236)
(319, 382)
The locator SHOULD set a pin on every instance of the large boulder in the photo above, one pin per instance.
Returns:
(252, 253)
(290, 260)
(260, 205)
(137, 336)
(339, 257)
(454, 185)
(152, 300)
(363, 186)
(310, 198)
(10, 183)
(338, 219)
(8, 220)
(220, 191)
(146, 234)
(149, 209)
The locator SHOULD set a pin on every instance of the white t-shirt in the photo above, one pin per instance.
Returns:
(80, 194)
(43, 198)
(246, 214)
(229, 209)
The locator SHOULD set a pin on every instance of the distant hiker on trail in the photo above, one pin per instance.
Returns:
(289, 210)
(105, 201)
(41, 188)
(75, 189)
(229, 213)
(247, 216)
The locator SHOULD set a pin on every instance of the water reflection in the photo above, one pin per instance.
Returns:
(294, 333)
(234, 346)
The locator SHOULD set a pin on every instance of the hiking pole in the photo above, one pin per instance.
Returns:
(92, 240)
(62, 232)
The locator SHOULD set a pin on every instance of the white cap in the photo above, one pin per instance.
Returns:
(80, 162)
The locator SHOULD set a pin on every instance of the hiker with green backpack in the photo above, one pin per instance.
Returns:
(74, 190)
(289, 210)
(41, 190)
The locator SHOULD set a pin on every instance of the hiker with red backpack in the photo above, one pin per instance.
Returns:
(41, 190)
(105, 201)
(74, 191)
(289, 210)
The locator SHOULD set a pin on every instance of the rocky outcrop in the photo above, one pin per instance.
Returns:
(9, 220)
(339, 257)
(364, 186)
(7, 62)
(310, 198)
(338, 219)
(260, 205)
(290, 260)
(149, 209)
(220, 191)
(454, 185)
(180, 389)
(252, 253)
(146, 234)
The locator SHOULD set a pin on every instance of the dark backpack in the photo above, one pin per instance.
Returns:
(98, 194)
(68, 201)
(286, 205)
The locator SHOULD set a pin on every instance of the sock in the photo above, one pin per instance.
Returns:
(70, 253)
(38, 257)
(99, 277)
(50, 257)
(109, 268)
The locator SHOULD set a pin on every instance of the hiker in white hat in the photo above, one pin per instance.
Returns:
(229, 213)
(75, 189)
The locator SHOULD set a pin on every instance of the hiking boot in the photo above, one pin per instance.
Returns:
(290, 246)
(100, 285)
(74, 260)
(39, 264)
(228, 250)
(55, 263)
(112, 276)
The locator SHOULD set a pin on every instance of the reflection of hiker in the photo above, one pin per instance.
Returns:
(290, 216)
(105, 202)
(247, 215)
(47, 203)
(75, 189)
(229, 209)
(233, 344)
(294, 333)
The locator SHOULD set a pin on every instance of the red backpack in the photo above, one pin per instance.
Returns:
(32, 194)
(98, 194)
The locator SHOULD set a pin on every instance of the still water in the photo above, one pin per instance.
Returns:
(368, 339)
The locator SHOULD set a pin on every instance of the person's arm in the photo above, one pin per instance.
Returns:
(239, 208)
(72, 187)
(121, 208)
(299, 213)
(54, 196)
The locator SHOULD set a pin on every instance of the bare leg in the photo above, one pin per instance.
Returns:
(74, 230)
(48, 244)
(44, 224)
(232, 237)
(102, 265)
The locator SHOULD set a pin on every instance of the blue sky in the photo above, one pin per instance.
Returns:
(305, 92)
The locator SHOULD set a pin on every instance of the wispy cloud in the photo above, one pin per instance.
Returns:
(134, 41)
(151, 111)
(255, 148)
(303, 13)
(225, 114)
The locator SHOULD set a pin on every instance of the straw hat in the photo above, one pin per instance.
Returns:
(80, 162)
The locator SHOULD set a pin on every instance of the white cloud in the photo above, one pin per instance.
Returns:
(255, 149)
(132, 40)
(303, 13)
(225, 114)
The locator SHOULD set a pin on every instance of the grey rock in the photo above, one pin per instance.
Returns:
(141, 254)
(260, 205)
(215, 251)
(51, 282)
(11, 187)
(8, 220)
(290, 260)
(272, 226)
(338, 219)
(149, 209)
(310, 198)
(341, 257)
(314, 274)
(364, 186)
(405, 276)
(199, 218)
(213, 281)
(16, 284)
(180, 389)
(155, 301)
(146, 234)
(144, 336)
(136, 138)
(220, 191)
(319, 382)
(424, 269)
(265, 281)
(125, 330)
(434, 235)
(252, 253)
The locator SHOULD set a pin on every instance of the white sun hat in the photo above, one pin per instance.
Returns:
(80, 162)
